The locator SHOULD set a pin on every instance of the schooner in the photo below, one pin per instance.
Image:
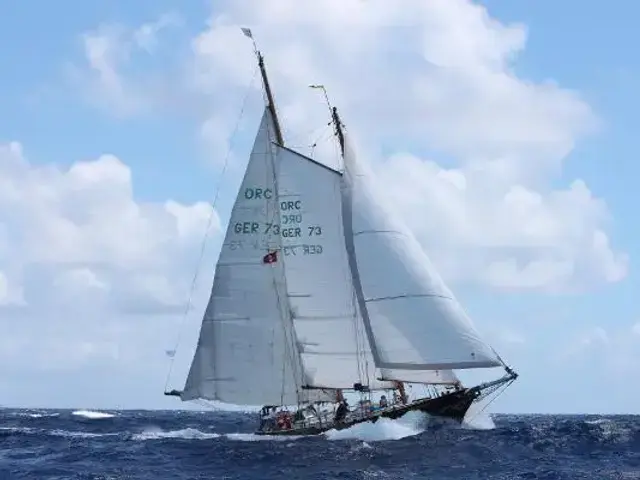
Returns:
(319, 291)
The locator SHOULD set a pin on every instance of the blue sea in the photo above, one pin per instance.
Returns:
(110, 445)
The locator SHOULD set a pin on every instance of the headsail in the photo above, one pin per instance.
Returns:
(414, 322)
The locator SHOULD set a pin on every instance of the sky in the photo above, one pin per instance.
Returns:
(503, 132)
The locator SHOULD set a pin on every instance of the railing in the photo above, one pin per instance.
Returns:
(325, 420)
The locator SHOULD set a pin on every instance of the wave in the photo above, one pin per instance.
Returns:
(252, 437)
(610, 431)
(153, 433)
(54, 433)
(69, 434)
(92, 415)
(477, 418)
(33, 414)
(411, 424)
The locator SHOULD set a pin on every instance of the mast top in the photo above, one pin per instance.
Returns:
(338, 126)
(335, 118)
(265, 81)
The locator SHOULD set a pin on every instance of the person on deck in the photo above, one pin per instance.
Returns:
(263, 416)
(271, 418)
(383, 401)
(341, 411)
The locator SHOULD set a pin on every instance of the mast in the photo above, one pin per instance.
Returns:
(271, 105)
(338, 126)
(335, 118)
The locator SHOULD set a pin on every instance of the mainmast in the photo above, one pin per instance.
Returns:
(267, 88)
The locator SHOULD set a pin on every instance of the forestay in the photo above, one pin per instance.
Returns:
(414, 322)
(246, 352)
(331, 337)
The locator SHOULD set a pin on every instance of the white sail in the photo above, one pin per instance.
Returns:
(331, 337)
(413, 320)
(430, 377)
(246, 352)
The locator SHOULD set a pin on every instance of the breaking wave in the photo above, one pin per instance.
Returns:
(154, 433)
(92, 414)
(411, 424)
(477, 418)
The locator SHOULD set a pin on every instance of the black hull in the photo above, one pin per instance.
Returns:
(451, 405)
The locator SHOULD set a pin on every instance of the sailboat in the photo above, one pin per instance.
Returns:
(321, 293)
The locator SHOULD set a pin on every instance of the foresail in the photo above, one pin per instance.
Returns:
(331, 337)
(414, 322)
(246, 351)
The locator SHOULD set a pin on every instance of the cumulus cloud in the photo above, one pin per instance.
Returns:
(81, 258)
(614, 350)
(110, 80)
(469, 152)
(424, 85)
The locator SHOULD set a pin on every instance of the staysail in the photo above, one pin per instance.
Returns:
(413, 320)
(331, 337)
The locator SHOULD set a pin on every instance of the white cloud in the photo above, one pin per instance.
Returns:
(505, 234)
(85, 269)
(107, 77)
(415, 77)
(613, 350)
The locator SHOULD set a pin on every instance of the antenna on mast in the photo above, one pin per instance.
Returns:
(265, 81)
(335, 118)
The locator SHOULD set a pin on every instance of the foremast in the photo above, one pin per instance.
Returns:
(279, 141)
(270, 102)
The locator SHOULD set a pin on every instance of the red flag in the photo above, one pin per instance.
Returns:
(271, 257)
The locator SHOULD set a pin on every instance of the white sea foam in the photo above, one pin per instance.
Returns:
(411, 424)
(477, 418)
(92, 415)
(154, 433)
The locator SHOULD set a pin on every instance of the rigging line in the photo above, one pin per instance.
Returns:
(323, 136)
(209, 222)
(500, 390)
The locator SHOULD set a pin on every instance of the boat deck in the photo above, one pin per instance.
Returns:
(451, 405)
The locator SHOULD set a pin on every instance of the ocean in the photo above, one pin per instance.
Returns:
(154, 445)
